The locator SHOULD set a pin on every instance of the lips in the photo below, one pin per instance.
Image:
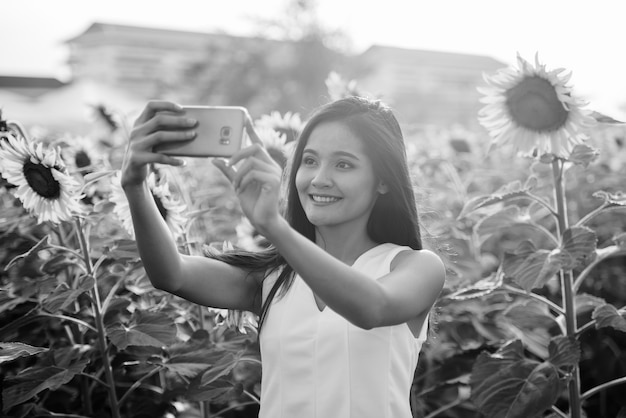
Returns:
(324, 198)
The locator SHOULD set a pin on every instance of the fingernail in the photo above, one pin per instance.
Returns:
(183, 163)
(190, 122)
(190, 134)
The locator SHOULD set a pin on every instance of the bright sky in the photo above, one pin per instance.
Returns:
(582, 36)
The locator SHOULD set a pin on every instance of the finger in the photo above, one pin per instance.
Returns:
(254, 178)
(166, 121)
(245, 153)
(228, 171)
(142, 158)
(249, 165)
(254, 138)
(155, 106)
(241, 171)
(161, 137)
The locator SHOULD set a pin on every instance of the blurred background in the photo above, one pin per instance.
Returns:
(60, 59)
(67, 66)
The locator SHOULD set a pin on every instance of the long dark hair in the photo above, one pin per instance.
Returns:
(394, 217)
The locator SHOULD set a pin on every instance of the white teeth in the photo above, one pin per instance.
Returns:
(324, 199)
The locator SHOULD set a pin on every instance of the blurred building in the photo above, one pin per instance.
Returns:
(145, 61)
(28, 87)
(430, 87)
(139, 63)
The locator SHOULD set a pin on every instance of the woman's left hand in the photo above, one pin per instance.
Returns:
(256, 181)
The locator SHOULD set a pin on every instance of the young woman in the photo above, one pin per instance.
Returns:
(345, 290)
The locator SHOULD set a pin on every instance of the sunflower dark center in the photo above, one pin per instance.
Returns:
(82, 160)
(162, 209)
(41, 180)
(534, 104)
(290, 134)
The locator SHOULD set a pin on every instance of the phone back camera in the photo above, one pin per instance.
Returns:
(225, 133)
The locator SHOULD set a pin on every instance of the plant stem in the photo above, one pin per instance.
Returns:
(184, 192)
(556, 308)
(138, 383)
(567, 286)
(558, 412)
(614, 251)
(69, 318)
(603, 386)
(446, 407)
(97, 307)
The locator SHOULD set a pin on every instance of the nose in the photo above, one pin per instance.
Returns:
(322, 178)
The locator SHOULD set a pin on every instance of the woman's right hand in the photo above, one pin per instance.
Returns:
(160, 121)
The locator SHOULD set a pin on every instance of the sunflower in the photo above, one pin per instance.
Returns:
(289, 124)
(276, 144)
(42, 183)
(534, 110)
(81, 154)
(339, 88)
(248, 237)
(242, 320)
(170, 209)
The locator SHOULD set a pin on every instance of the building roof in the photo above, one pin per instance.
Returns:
(7, 81)
(435, 58)
(102, 28)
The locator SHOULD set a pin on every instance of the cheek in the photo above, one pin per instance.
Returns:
(300, 181)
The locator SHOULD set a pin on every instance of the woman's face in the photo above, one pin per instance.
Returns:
(336, 183)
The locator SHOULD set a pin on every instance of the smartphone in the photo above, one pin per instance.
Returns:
(219, 132)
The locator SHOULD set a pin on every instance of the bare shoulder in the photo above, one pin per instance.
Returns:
(426, 262)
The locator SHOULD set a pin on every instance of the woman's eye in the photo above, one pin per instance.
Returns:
(344, 165)
(308, 161)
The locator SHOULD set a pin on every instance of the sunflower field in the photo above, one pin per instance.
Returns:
(528, 214)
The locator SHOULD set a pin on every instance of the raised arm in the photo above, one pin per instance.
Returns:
(406, 293)
(198, 279)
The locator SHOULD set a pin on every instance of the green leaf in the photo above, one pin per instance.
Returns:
(608, 316)
(219, 391)
(529, 267)
(531, 322)
(481, 288)
(11, 351)
(498, 220)
(9, 300)
(58, 263)
(583, 154)
(578, 245)
(586, 302)
(612, 199)
(530, 314)
(62, 297)
(602, 118)
(123, 249)
(224, 365)
(31, 381)
(43, 243)
(186, 371)
(564, 351)
(507, 385)
(116, 306)
(154, 329)
(508, 192)
(511, 220)
(94, 177)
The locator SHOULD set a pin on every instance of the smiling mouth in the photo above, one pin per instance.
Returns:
(324, 199)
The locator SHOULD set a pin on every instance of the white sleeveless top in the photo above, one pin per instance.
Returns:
(318, 365)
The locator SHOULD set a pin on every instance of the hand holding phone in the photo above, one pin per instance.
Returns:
(219, 132)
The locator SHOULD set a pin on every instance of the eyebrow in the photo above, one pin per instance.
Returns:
(336, 153)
